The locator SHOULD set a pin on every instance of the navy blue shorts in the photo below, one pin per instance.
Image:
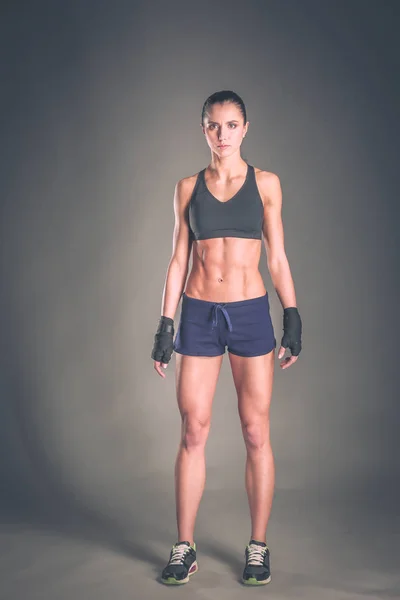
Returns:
(206, 328)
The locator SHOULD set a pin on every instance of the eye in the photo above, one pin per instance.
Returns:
(233, 125)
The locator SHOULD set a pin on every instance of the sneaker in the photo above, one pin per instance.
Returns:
(182, 563)
(256, 571)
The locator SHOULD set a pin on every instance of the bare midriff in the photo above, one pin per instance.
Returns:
(225, 270)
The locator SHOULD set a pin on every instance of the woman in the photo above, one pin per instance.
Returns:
(223, 212)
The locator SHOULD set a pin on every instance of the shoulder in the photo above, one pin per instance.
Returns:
(269, 186)
(184, 189)
(266, 178)
(187, 183)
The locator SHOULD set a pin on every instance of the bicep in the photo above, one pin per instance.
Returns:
(272, 225)
(182, 240)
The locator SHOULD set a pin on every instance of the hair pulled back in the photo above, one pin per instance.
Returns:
(220, 97)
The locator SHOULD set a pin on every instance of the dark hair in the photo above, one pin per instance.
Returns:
(223, 96)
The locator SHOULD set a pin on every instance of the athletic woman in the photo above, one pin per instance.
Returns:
(223, 213)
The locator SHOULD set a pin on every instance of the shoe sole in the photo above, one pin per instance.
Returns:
(172, 581)
(253, 581)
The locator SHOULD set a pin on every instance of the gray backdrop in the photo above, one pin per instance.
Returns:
(101, 106)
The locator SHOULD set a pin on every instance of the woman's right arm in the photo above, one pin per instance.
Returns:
(181, 248)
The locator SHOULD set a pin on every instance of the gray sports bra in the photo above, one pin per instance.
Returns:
(240, 216)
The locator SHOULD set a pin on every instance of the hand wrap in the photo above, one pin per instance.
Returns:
(164, 340)
(292, 328)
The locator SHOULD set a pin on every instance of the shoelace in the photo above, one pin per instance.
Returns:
(178, 553)
(256, 555)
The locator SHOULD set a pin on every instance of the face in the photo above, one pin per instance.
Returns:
(224, 128)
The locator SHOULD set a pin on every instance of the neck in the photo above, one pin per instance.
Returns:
(227, 168)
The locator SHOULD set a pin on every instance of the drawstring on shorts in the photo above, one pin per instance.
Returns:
(222, 308)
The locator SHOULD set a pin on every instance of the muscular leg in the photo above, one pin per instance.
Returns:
(253, 379)
(196, 379)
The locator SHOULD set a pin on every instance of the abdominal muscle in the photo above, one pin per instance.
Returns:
(225, 270)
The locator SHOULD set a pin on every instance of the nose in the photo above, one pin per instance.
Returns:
(222, 134)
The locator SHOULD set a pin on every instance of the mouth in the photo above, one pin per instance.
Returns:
(223, 146)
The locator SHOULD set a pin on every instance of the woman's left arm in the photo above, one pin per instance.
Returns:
(278, 264)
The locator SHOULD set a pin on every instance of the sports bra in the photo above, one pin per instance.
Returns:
(241, 216)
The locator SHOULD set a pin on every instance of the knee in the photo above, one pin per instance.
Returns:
(195, 432)
(256, 434)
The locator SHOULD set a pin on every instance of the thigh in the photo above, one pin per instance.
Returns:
(196, 335)
(253, 378)
(252, 332)
(196, 379)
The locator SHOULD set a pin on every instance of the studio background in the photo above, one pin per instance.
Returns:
(101, 106)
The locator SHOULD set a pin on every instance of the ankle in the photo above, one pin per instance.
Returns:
(256, 540)
(186, 539)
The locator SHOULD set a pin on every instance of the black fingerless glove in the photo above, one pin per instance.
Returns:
(164, 340)
(292, 328)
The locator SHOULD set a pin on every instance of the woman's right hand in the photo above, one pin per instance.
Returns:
(158, 365)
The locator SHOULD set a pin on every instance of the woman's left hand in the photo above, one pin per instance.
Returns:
(292, 330)
(289, 360)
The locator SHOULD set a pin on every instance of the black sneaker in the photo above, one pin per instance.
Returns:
(182, 563)
(256, 571)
